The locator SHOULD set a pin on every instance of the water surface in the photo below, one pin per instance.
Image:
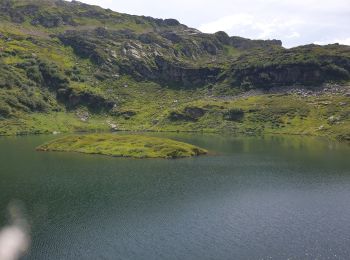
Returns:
(255, 198)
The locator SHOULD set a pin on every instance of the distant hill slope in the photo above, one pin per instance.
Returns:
(57, 56)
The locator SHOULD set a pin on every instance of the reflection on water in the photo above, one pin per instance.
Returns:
(254, 198)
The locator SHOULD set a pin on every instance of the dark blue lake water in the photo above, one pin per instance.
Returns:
(255, 198)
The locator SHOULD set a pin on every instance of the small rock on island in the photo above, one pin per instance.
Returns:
(133, 146)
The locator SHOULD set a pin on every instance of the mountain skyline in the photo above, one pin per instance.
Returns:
(294, 22)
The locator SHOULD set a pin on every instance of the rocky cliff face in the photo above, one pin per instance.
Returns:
(306, 66)
(306, 74)
(174, 54)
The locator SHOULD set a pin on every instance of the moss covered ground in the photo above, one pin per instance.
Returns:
(134, 146)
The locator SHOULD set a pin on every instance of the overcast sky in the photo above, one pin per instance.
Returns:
(295, 22)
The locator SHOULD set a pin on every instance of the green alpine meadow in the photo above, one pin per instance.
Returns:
(72, 67)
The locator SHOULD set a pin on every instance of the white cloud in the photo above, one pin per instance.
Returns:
(247, 25)
(228, 23)
(343, 41)
(294, 35)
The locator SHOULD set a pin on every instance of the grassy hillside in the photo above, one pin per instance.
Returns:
(68, 66)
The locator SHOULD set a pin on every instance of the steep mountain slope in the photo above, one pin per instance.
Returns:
(62, 64)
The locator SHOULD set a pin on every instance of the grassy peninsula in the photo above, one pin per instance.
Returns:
(133, 146)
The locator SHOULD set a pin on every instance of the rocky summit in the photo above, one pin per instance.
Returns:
(69, 66)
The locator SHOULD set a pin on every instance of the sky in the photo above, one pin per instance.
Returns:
(295, 22)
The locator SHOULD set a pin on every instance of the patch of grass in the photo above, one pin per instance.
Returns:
(134, 146)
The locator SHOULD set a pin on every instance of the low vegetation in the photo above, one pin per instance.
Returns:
(134, 146)
(71, 67)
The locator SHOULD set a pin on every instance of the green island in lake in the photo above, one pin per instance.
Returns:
(134, 146)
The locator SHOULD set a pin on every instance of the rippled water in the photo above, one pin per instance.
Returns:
(254, 198)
